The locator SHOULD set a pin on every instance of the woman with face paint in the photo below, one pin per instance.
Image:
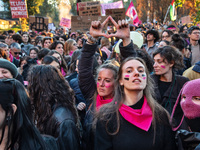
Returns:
(99, 92)
(188, 127)
(133, 116)
(168, 85)
(17, 130)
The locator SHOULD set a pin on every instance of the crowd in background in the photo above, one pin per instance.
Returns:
(74, 90)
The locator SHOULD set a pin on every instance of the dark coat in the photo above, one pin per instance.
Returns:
(174, 88)
(130, 137)
(66, 132)
(87, 85)
(188, 140)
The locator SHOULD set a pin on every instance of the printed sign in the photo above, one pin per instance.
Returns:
(89, 8)
(186, 20)
(18, 9)
(83, 23)
(114, 5)
(117, 14)
(65, 22)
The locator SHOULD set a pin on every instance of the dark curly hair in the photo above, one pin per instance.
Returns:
(178, 42)
(48, 90)
(171, 54)
(155, 34)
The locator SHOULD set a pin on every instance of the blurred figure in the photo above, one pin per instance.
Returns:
(17, 128)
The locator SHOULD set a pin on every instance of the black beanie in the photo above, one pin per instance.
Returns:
(10, 66)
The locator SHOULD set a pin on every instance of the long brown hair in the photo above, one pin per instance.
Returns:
(108, 111)
(48, 90)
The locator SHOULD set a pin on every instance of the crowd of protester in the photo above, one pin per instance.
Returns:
(74, 91)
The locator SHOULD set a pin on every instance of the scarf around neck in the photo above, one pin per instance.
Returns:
(141, 118)
(100, 102)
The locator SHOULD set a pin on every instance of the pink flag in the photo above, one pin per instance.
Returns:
(132, 13)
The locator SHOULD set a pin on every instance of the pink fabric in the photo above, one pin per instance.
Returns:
(11, 57)
(141, 118)
(70, 53)
(190, 90)
(25, 82)
(63, 72)
(38, 62)
(100, 102)
(106, 50)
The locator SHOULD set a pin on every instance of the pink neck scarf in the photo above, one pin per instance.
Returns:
(11, 57)
(100, 102)
(141, 118)
(70, 53)
(63, 72)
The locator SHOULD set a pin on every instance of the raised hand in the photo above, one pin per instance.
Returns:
(123, 31)
(96, 28)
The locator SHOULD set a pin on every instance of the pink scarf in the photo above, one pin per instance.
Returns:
(63, 72)
(70, 53)
(100, 102)
(11, 57)
(141, 118)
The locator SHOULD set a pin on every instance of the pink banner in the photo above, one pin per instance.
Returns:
(18, 9)
(114, 5)
(65, 22)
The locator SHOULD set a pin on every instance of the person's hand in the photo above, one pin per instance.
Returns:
(96, 28)
(123, 31)
(81, 106)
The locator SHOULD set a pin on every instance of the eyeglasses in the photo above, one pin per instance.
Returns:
(20, 53)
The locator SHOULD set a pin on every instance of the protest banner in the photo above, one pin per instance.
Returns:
(83, 23)
(38, 23)
(51, 26)
(65, 22)
(89, 8)
(114, 5)
(18, 8)
(117, 14)
(186, 20)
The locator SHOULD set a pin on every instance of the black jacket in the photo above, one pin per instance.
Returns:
(174, 88)
(66, 132)
(87, 85)
(130, 137)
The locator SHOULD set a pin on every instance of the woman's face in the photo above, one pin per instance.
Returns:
(5, 74)
(61, 40)
(161, 66)
(105, 83)
(99, 60)
(165, 36)
(33, 54)
(162, 44)
(47, 43)
(39, 43)
(59, 48)
(134, 76)
(55, 64)
(23, 63)
(74, 46)
(57, 56)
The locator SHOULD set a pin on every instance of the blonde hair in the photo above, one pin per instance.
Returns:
(68, 46)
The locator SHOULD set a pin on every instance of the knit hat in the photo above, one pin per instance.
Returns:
(190, 110)
(10, 66)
